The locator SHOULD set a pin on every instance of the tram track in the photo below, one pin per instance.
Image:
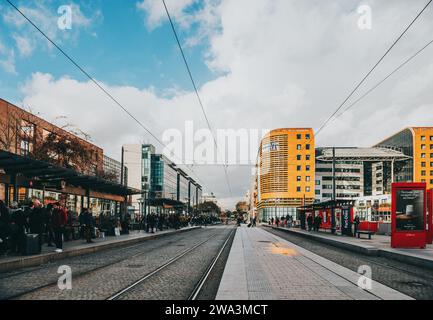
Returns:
(166, 241)
(198, 286)
(50, 290)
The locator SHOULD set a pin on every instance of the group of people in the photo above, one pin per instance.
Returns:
(47, 222)
(159, 222)
(314, 223)
(286, 221)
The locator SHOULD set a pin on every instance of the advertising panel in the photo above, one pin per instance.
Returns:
(430, 217)
(409, 215)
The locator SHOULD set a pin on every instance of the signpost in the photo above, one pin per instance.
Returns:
(409, 215)
(430, 216)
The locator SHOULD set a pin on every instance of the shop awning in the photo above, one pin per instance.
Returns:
(46, 173)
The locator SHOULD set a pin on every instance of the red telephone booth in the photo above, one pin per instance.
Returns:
(409, 215)
(430, 216)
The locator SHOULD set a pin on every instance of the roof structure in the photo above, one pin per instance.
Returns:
(44, 172)
(361, 154)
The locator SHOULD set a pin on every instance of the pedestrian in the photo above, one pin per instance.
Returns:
(49, 224)
(356, 223)
(37, 220)
(87, 224)
(19, 226)
(152, 222)
(59, 221)
(310, 222)
(254, 221)
(5, 230)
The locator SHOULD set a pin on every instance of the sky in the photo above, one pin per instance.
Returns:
(258, 64)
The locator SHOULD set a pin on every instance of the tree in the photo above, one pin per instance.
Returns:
(209, 208)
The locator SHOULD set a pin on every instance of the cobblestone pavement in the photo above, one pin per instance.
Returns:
(411, 280)
(99, 276)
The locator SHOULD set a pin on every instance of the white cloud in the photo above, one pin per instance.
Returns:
(285, 64)
(45, 16)
(25, 45)
(155, 11)
(7, 59)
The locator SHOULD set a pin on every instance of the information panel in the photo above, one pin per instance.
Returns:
(409, 215)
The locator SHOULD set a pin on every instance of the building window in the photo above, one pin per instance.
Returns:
(298, 189)
(431, 147)
(423, 173)
(299, 136)
(422, 138)
(423, 155)
(423, 146)
(308, 157)
(317, 192)
(307, 189)
(299, 157)
(308, 168)
(423, 164)
(431, 138)
(299, 147)
(308, 136)
(308, 147)
(318, 182)
(299, 179)
(299, 168)
(308, 178)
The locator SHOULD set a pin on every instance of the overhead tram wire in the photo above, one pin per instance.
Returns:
(196, 89)
(91, 78)
(383, 80)
(371, 70)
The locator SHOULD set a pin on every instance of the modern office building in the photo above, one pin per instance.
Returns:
(417, 143)
(160, 180)
(359, 172)
(285, 172)
(113, 171)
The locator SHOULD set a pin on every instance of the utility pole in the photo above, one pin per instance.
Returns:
(334, 195)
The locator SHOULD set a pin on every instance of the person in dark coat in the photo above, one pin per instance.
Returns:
(310, 222)
(87, 223)
(356, 223)
(49, 224)
(5, 229)
(18, 225)
(37, 220)
(59, 221)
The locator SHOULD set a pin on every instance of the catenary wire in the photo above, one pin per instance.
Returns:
(195, 88)
(371, 70)
(105, 91)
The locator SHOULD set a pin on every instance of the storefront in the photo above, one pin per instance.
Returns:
(24, 179)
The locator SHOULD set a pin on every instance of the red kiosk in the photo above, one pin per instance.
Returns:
(409, 215)
(430, 216)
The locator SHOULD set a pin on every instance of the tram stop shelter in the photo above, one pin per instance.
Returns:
(18, 172)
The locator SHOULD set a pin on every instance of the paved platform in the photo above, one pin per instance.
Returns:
(80, 247)
(262, 266)
(379, 245)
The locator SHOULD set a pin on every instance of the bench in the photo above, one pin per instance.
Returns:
(369, 233)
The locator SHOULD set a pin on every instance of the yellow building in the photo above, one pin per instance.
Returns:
(416, 142)
(285, 172)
